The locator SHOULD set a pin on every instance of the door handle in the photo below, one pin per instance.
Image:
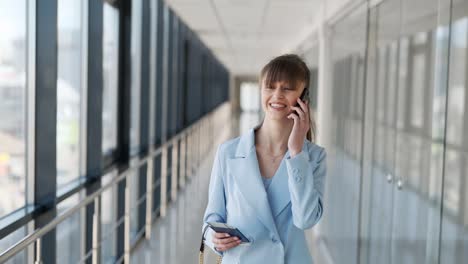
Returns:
(389, 178)
(399, 184)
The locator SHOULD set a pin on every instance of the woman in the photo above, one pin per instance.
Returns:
(268, 183)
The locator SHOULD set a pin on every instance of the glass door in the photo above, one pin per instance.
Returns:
(419, 155)
(382, 82)
(454, 230)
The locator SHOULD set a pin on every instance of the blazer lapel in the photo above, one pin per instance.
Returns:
(246, 173)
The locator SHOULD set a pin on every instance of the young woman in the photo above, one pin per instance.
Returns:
(268, 183)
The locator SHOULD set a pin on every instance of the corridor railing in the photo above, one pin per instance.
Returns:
(195, 142)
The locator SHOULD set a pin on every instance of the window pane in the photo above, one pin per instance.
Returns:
(68, 235)
(136, 77)
(68, 90)
(11, 240)
(418, 83)
(108, 218)
(456, 107)
(110, 78)
(12, 106)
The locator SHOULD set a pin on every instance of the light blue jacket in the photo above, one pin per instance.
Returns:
(274, 220)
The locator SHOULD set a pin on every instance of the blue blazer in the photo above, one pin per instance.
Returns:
(274, 220)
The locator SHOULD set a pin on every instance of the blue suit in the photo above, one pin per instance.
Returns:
(273, 220)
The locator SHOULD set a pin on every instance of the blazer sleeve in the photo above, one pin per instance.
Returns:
(216, 208)
(306, 180)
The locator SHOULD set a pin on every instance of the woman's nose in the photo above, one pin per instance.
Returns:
(278, 93)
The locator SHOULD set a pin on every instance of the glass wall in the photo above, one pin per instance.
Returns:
(69, 233)
(311, 58)
(135, 77)
(13, 95)
(109, 220)
(69, 79)
(391, 138)
(72, 55)
(347, 55)
(454, 240)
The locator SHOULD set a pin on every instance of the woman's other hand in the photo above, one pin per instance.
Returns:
(300, 128)
(223, 241)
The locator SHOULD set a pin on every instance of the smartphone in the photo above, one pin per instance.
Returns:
(305, 94)
(232, 231)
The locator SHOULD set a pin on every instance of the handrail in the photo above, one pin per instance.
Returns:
(38, 233)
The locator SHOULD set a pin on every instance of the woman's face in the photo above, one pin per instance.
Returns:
(278, 98)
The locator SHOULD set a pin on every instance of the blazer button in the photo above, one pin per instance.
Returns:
(273, 239)
(295, 170)
(298, 178)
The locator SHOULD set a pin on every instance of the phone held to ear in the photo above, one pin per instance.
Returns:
(305, 94)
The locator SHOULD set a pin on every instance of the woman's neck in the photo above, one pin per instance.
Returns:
(272, 136)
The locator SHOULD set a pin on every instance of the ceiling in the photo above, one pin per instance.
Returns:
(245, 34)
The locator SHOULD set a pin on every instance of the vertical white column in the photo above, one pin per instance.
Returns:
(149, 199)
(174, 164)
(163, 180)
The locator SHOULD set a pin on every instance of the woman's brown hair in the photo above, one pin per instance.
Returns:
(292, 69)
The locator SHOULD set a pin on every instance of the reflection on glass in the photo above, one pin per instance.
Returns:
(68, 234)
(440, 83)
(68, 90)
(12, 105)
(402, 86)
(418, 85)
(457, 92)
(347, 52)
(110, 53)
(452, 182)
(11, 240)
(455, 209)
(136, 76)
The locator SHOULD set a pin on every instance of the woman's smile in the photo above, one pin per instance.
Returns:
(278, 106)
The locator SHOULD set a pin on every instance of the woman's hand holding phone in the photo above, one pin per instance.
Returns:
(223, 241)
(300, 116)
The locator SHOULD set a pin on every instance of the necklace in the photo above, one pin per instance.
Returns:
(273, 157)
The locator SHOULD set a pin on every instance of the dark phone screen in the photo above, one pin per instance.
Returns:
(232, 231)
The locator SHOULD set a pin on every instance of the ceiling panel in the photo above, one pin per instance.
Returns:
(246, 34)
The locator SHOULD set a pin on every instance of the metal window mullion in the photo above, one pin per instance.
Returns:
(165, 74)
(92, 88)
(144, 69)
(45, 124)
(124, 86)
